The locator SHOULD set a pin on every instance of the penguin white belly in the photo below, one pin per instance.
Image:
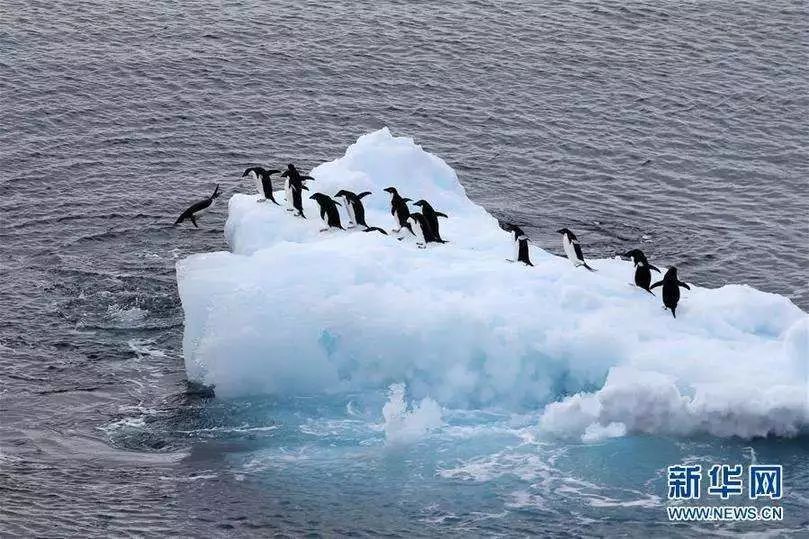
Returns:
(288, 192)
(419, 233)
(259, 187)
(396, 223)
(350, 211)
(516, 250)
(570, 251)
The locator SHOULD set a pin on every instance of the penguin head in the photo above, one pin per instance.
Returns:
(671, 273)
(343, 193)
(290, 166)
(422, 204)
(636, 255)
(565, 232)
(391, 190)
(318, 197)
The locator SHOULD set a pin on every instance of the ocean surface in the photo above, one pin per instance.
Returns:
(680, 127)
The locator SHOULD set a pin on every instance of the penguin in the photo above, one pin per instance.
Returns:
(328, 211)
(294, 180)
(431, 215)
(520, 245)
(572, 248)
(671, 289)
(643, 275)
(419, 227)
(355, 210)
(398, 208)
(263, 182)
(198, 209)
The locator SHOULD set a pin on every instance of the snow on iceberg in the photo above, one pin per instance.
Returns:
(294, 310)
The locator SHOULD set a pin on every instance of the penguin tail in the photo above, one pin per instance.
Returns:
(673, 313)
(588, 267)
(375, 229)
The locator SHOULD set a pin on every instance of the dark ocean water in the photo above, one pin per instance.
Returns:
(676, 125)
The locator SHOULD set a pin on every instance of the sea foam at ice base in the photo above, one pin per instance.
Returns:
(292, 310)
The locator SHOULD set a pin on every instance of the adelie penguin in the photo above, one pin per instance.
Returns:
(520, 245)
(671, 290)
(643, 274)
(398, 209)
(293, 186)
(352, 203)
(432, 216)
(198, 209)
(572, 248)
(420, 227)
(263, 182)
(328, 211)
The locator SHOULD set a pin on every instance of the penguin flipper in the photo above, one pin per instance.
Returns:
(439, 214)
(652, 293)
(363, 194)
(658, 283)
(375, 229)
(684, 285)
(194, 221)
(654, 268)
(588, 267)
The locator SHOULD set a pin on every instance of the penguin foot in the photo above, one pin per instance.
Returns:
(324, 229)
(509, 260)
(261, 200)
(421, 246)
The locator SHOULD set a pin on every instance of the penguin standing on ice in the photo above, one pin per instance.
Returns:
(420, 227)
(520, 245)
(352, 202)
(198, 209)
(263, 182)
(643, 274)
(572, 248)
(399, 209)
(432, 216)
(328, 211)
(671, 289)
(293, 185)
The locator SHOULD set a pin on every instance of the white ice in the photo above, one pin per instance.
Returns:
(296, 311)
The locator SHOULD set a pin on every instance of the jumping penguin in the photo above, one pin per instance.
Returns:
(294, 181)
(520, 245)
(398, 208)
(328, 211)
(263, 182)
(355, 210)
(643, 274)
(671, 289)
(572, 248)
(432, 216)
(198, 209)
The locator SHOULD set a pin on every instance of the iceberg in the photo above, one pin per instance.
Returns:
(292, 310)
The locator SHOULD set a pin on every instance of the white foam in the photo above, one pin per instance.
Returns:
(292, 310)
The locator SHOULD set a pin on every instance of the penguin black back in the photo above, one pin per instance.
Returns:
(328, 210)
(197, 209)
(643, 274)
(671, 289)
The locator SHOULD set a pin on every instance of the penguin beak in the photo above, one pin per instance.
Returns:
(560, 231)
